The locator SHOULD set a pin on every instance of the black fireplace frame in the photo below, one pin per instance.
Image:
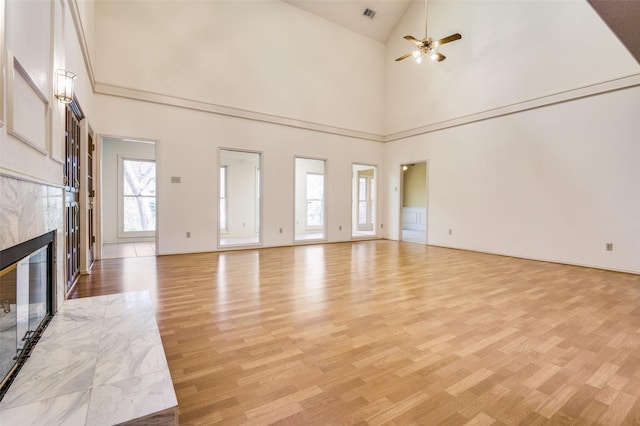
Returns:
(12, 255)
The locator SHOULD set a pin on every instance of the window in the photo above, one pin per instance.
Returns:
(223, 199)
(364, 197)
(138, 196)
(315, 200)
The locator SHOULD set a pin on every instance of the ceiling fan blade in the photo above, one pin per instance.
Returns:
(404, 56)
(413, 40)
(452, 37)
(440, 57)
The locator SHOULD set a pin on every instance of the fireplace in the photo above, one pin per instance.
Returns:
(27, 283)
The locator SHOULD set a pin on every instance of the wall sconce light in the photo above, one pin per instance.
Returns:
(64, 86)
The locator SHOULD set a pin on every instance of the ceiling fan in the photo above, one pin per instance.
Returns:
(428, 47)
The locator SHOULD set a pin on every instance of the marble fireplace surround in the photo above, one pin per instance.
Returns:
(28, 210)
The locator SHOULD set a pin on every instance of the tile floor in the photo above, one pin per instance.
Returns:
(413, 236)
(137, 249)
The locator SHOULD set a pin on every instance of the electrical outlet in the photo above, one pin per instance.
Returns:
(340, 228)
(381, 226)
(188, 234)
(175, 179)
(609, 246)
(281, 230)
(450, 231)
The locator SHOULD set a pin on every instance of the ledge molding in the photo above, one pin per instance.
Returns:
(543, 101)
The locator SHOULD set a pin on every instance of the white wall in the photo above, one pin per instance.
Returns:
(259, 56)
(111, 150)
(554, 183)
(188, 143)
(27, 149)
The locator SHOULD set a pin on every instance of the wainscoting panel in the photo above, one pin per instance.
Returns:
(26, 101)
(414, 218)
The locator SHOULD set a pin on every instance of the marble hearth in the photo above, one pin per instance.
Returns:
(99, 362)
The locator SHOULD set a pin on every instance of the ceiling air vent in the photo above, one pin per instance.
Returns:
(369, 13)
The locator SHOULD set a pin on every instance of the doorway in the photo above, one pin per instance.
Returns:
(413, 215)
(364, 195)
(310, 206)
(128, 198)
(239, 205)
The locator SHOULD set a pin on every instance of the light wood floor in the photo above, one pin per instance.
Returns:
(383, 332)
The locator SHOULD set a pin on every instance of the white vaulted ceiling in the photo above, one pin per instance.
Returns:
(323, 62)
(350, 14)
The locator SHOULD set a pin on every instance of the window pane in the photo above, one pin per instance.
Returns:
(139, 177)
(223, 182)
(223, 198)
(223, 214)
(139, 214)
(314, 213)
(362, 213)
(315, 186)
(362, 193)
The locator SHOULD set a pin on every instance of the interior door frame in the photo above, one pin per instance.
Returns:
(97, 201)
(401, 197)
(376, 196)
(259, 204)
(325, 201)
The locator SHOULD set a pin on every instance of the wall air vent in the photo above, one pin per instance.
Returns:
(369, 13)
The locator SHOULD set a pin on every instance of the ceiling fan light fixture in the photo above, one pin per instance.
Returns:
(428, 46)
(418, 55)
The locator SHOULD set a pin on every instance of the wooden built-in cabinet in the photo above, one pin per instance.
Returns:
(72, 192)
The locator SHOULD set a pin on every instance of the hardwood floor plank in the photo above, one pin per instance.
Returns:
(481, 419)
(469, 381)
(381, 332)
